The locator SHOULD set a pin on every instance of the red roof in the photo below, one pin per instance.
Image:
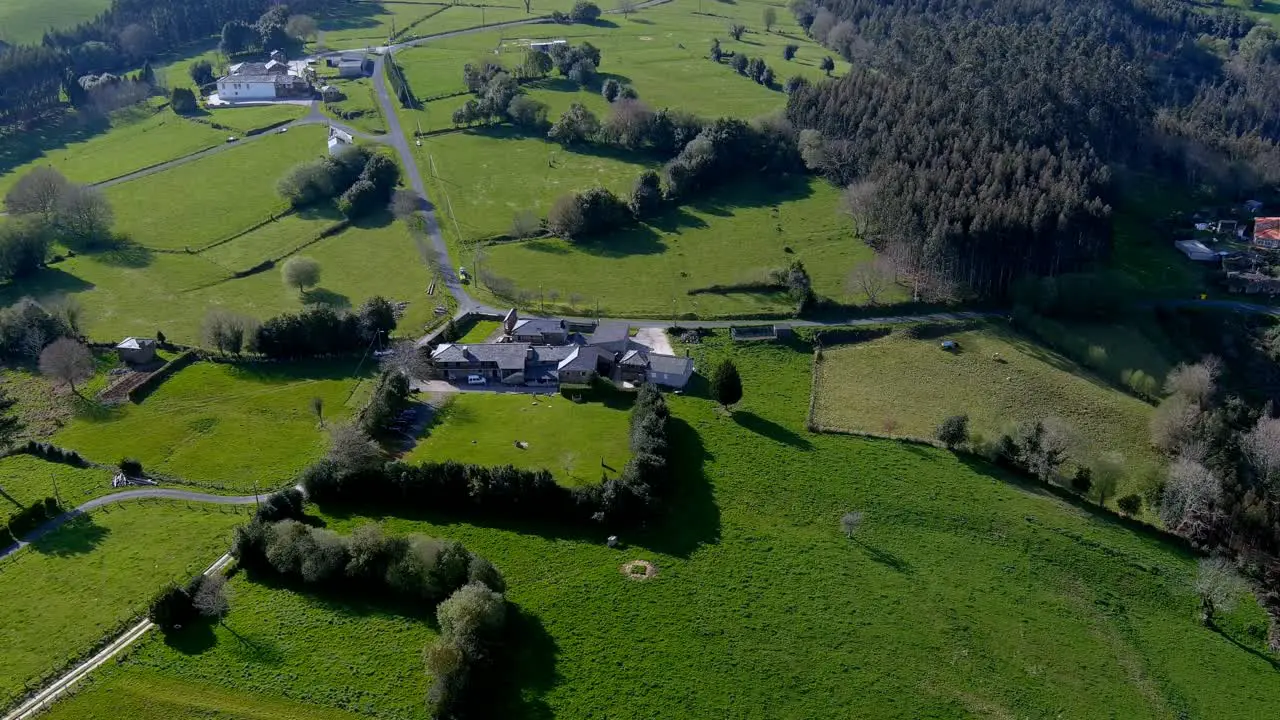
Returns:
(1267, 229)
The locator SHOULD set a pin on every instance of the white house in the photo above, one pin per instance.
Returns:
(271, 80)
(338, 140)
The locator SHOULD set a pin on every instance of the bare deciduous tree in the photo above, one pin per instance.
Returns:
(1106, 472)
(1190, 492)
(575, 299)
(302, 27)
(67, 361)
(850, 523)
(858, 199)
(213, 597)
(1219, 588)
(405, 205)
(1173, 424)
(36, 193)
(351, 448)
(871, 279)
(1196, 382)
(317, 408)
(626, 7)
(83, 216)
(770, 18)
(1261, 446)
(525, 224)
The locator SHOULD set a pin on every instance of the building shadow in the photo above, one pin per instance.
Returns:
(771, 430)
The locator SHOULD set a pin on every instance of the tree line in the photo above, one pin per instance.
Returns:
(356, 473)
(315, 331)
(977, 139)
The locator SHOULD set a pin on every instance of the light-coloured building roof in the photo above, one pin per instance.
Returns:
(133, 343)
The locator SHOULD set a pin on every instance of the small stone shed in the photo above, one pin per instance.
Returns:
(137, 351)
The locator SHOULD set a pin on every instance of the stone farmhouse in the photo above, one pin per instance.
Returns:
(275, 79)
(549, 351)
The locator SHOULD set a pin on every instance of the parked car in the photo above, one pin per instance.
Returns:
(475, 380)
(232, 138)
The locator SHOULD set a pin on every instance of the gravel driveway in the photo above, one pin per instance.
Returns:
(655, 338)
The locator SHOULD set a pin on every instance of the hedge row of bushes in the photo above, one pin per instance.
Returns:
(321, 330)
(390, 396)
(507, 491)
(53, 453)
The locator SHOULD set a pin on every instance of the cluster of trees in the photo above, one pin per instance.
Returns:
(28, 519)
(177, 606)
(27, 327)
(355, 473)
(968, 188)
(322, 330)
(754, 68)
(712, 154)
(390, 397)
(499, 97)
(584, 12)
(360, 180)
(469, 589)
(46, 206)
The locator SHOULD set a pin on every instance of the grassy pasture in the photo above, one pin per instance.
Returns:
(26, 480)
(254, 117)
(737, 235)
(137, 292)
(191, 426)
(358, 97)
(221, 194)
(66, 591)
(25, 21)
(151, 696)
(574, 441)
(344, 25)
(964, 594)
(905, 386)
(92, 151)
(479, 332)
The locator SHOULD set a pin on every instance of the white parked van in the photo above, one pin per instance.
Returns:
(475, 380)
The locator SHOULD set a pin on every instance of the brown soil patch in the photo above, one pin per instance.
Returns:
(639, 569)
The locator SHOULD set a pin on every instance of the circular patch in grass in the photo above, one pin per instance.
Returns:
(639, 569)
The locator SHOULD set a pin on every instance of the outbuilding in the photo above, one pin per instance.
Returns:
(137, 351)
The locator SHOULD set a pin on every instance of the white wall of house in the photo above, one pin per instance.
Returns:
(233, 89)
(674, 380)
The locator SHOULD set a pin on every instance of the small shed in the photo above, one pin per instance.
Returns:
(137, 351)
(1195, 250)
(350, 68)
(338, 140)
(329, 93)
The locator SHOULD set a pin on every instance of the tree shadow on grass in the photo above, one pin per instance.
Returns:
(326, 297)
(77, 536)
(1265, 657)
(287, 372)
(886, 558)
(525, 673)
(19, 148)
(771, 430)
(127, 255)
(50, 283)
(690, 517)
(677, 219)
(639, 240)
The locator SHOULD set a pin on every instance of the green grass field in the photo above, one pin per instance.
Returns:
(345, 25)
(736, 236)
(136, 292)
(358, 98)
(26, 479)
(902, 386)
(61, 595)
(222, 194)
(152, 696)
(25, 21)
(91, 152)
(479, 332)
(254, 117)
(199, 424)
(966, 593)
(576, 442)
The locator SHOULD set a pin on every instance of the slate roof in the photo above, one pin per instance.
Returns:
(552, 353)
(610, 332)
(507, 356)
(634, 358)
(670, 364)
(538, 326)
(583, 359)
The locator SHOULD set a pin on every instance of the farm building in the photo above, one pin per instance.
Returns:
(1195, 250)
(546, 45)
(271, 80)
(137, 351)
(1266, 233)
(338, 140)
